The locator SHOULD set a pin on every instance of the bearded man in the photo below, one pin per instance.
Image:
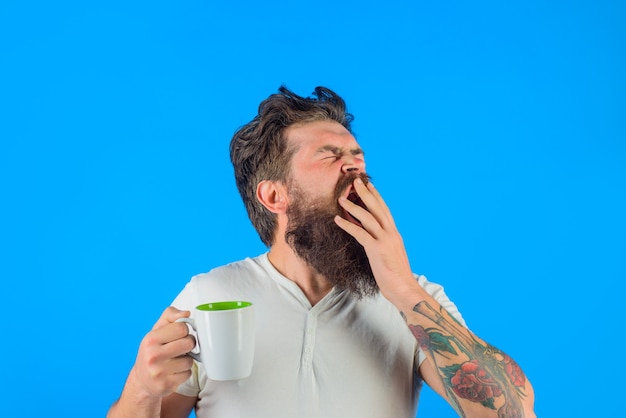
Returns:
(344, 327)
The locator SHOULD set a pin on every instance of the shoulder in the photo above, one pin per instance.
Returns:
(242, 268)
(221, 282)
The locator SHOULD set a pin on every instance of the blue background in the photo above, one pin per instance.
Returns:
(495, 130)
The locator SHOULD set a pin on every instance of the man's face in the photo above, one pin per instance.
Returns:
(323, 169)
(325, 151)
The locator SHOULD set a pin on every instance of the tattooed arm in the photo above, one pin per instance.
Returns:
(478, 380)
(475, 378)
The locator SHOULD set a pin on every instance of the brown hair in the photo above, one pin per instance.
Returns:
(259, 151)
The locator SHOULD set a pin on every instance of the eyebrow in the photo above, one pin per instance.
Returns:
(338, 151)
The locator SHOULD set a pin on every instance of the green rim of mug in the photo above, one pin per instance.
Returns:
(223, 306)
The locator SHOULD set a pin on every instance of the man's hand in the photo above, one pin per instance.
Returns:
(161, 366)
(380, 239)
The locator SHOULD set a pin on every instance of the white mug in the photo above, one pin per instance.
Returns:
(225, 335)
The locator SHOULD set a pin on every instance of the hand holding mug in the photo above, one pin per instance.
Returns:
(161, 364)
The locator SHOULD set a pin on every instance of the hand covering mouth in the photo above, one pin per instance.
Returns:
(345, 188)
(354, 198)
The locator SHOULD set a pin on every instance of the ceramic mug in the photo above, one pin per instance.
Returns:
(225, 336)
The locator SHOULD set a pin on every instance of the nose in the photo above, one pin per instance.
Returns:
(353, 164)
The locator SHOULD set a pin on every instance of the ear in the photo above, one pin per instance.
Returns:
(272, 195)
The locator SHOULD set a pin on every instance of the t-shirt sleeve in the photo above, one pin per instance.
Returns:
(436, 291)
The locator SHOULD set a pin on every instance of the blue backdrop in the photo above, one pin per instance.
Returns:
(495, 130)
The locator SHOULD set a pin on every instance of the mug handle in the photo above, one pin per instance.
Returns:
(190, 323)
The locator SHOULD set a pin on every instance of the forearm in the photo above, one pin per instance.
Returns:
(478, 379)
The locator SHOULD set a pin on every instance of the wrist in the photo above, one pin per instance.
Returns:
(406, 296)
(137, 400)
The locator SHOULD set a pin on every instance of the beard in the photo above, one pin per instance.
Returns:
(315, 237)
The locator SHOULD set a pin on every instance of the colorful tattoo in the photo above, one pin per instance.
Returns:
(482, 373)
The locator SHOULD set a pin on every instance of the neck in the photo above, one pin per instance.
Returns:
(313, 285)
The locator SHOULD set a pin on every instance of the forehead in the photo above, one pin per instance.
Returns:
(310, 136)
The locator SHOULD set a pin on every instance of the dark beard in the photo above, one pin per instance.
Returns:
(315, 237)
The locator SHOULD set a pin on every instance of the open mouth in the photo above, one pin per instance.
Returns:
(354, 198)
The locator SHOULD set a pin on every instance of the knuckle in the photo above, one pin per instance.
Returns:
(155, 375)
(149, 340)
(152, 360)
(151, 356)
(170, 313)
(181, 329)
(190, 343)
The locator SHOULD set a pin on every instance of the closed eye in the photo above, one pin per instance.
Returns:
(337, 152)
(334, 157)
(358, 152)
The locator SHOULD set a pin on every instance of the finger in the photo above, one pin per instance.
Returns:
(179, 347)
(169, 315)
(374, 191)
(361, 235)
(180, 364)
(171, 332)
(374, 202)
(365, 217)
(166, 334)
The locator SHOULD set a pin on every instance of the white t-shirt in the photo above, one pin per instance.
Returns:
(343, 357)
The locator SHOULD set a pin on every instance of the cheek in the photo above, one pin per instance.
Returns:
(320, 186)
